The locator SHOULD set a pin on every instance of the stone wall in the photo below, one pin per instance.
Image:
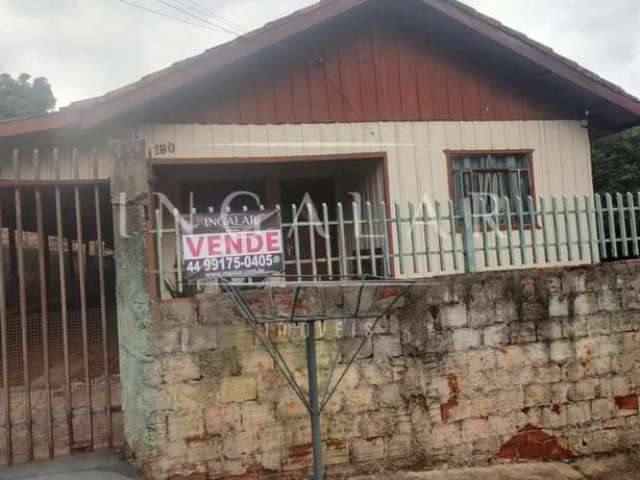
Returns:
(540, 364)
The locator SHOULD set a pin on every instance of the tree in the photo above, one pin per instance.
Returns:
(22, 96)
(616, 162)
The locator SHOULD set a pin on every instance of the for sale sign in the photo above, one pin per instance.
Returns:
(233, 244)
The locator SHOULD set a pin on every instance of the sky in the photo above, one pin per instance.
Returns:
(88, 47)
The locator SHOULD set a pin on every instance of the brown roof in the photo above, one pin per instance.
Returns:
(94, 111)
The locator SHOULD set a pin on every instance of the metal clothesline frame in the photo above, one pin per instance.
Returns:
(311, 399)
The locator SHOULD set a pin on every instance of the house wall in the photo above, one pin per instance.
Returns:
(417, 164)
(473, 369)
(415, 150)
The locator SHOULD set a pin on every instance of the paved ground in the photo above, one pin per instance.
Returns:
(90, 466)
(621, 467)
(107, 466)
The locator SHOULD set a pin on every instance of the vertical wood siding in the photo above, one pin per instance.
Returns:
(377, 69)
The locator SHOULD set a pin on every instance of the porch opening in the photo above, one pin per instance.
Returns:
(305, 190)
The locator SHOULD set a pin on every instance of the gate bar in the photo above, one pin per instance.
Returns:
(5, 357)
(23, 322)
(83, 295)
(103, 308)
(63, 302)
(44, 310)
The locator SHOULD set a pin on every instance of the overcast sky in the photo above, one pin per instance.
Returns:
(88, 47)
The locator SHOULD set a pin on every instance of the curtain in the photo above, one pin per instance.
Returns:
(488, 179)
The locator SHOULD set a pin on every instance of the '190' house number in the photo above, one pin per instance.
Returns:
(164, 148)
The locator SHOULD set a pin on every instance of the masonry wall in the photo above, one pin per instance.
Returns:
(470, 369)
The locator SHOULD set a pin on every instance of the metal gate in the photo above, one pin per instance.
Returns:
(60, 390)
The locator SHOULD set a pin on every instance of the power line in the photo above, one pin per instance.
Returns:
(186, 12)
(156, 12)
(217, 16)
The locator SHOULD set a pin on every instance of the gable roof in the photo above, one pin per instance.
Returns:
(95, 111)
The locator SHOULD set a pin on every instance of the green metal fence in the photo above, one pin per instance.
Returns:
(431, 238)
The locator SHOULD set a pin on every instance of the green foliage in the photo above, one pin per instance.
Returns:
(22, 96)
(616, 162)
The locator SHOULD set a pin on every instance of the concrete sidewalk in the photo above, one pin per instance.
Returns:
(108, 466)
(90, 466)
(620, 467)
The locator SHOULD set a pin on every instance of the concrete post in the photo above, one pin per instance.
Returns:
(130, 200)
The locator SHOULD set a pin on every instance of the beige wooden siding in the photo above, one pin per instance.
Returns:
(416, 157)
(417, 163)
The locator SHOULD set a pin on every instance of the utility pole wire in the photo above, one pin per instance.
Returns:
(186, 12)
(156, 12)
(217, 16)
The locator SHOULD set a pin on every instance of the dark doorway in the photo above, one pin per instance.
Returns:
(213, 194)
(301, 192)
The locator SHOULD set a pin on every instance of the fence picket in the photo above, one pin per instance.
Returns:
(176, 226)
(545, 233)
(296, 240)
(613, 242)
(160, 256)
(372, 240)
(439, 228)
(589, 210)
(467, 239)
(534, 228)
(327, 239)
(385, 242)
(497, 231)
(357, 232)
(427, 243)
(342, 241)
(483, 229)
(567, 228)
(312, 239)
(600, 223)
(632, 225)
(507, 211)
(398, 221)
(454, 235)
(623, 225)
(556, 229)
(412, 236)
(576, 208)
(523, 239)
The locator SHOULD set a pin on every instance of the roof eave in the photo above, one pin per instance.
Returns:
(549, 60)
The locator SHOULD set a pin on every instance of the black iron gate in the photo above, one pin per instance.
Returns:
(60, 390)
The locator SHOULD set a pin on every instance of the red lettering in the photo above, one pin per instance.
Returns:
(194, 250)
(273, 241)
(255, 242)
(214, 245)
(232, 244)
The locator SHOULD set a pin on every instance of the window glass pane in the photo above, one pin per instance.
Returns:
(487, 179)
(458, 191)
(525, 184)
(466, 183)
(490, 162)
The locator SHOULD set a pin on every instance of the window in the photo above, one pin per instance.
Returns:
(488, 178)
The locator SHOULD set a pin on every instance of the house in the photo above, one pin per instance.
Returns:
(419, 103)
